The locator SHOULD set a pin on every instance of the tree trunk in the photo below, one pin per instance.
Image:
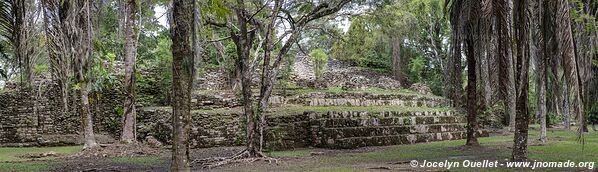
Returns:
(87, 116)
(454, 82)
(539, 39)
(82, 44)
(541, 94)
(182, 82)
(522, 118)
(567, 47)
(472, 108)
(197, 44)
(22, 32)
(566, 105)
(129, 130)
(505, 62)
(398, 65)
(59, 64)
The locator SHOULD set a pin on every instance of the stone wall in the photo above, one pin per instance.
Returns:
(30, 118)
(22, 119)
(33, 117)
(334, 129)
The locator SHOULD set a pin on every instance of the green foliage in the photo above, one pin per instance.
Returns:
(13, 154)
(154, 87)
(215, 7)
(593, 114)
(551, 119)
(3, 74)
(416, 67)
(320, 60)
(286, 72)
(363, 44)
(40, 69)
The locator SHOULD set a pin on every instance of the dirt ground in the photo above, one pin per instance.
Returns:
(562, 146)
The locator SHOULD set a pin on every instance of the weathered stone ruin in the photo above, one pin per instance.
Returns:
(300, 117)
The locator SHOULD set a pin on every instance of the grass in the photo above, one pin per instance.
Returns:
(12, 153)
(291, 153)
(25, 166)
(562, 146)
(10, 159)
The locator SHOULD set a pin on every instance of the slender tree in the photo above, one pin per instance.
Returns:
(82, 63)
(540, 36)
(182, 81)
(522, 16)
(129, 131)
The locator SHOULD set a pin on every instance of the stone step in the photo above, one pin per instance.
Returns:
(389, 121)
(370, 102)
(355, 142)
(369, 131)
(227, 98)
(357, 113)
(361, 99)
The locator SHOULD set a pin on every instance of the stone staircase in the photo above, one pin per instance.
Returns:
(338, 120)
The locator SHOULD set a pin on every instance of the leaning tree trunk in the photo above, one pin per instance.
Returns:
(182, 82)
(129, 130)
(522, 118)
(567, 47)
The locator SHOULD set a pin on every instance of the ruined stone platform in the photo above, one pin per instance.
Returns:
(336, 119)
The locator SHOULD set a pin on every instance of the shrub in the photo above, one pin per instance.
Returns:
(320, 60)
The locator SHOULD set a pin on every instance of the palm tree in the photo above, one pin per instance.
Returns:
(16, 30)
(522, 118)
(57, 48)
(465, 22)
(566, 46)
(502, 12)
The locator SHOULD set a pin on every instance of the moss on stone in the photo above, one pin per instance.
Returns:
(296, 109)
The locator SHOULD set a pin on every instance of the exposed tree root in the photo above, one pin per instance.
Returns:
(243, 156)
